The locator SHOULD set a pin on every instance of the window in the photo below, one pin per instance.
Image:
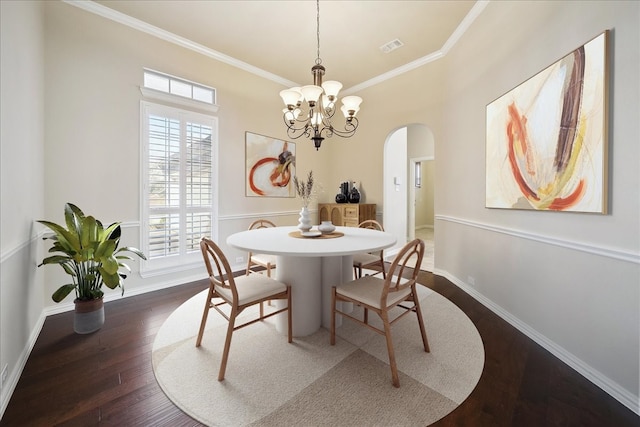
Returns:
(179, 185)
(177, 86)
(169, 89)
(418, 174)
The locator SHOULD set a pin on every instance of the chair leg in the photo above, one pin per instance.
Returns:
(418, 310)
(332, 333)
(269, 303)
(227, 345)
(289, 315)
(392, 357)
(205, 314)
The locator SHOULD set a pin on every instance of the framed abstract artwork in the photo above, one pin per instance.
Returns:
(269, 166)
(546, 140)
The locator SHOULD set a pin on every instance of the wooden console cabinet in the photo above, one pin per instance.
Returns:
(346, 214)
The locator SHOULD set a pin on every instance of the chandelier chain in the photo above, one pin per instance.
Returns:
(318, 60)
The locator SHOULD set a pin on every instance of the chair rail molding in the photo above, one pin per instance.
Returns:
(619, 254)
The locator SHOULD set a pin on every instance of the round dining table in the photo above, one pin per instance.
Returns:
(311, 266)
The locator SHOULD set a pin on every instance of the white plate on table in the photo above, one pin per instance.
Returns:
(312, 233)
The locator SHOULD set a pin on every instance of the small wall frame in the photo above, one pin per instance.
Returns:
(269, 166)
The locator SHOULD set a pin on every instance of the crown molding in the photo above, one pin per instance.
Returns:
(121, 18)
(475, 11)
(394, 73)
(105, 12)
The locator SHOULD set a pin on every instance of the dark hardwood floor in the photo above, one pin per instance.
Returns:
(106, 378)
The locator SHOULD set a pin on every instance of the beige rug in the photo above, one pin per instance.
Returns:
(311, 383)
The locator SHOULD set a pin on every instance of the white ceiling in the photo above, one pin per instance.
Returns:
(279, 37)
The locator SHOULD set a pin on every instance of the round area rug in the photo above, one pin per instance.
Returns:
(270, 382)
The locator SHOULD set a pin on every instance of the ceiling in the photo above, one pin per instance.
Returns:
(279, 39)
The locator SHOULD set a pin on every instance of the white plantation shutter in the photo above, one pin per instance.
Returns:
(178, 185)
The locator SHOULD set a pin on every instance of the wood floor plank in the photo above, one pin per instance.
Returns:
(106, 378)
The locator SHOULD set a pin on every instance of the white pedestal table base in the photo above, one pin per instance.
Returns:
(311, 279)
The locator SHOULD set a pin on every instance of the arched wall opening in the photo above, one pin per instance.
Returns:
(408, 205)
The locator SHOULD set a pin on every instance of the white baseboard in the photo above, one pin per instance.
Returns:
(12, 380)
(614, 389)
(422, 227)
(14, 376)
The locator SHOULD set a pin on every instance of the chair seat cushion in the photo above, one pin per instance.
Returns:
(365, 259)
(264, 259)
(253, 288)
(368, 290)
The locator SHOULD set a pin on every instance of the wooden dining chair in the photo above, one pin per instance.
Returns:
(237, 293)
(381, 295)
(265, 261)
(372, 259)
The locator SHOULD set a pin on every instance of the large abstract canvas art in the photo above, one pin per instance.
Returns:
(270, 166)
(546, 146)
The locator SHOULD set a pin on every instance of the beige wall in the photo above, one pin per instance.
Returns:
(425, 196)
(568, 280)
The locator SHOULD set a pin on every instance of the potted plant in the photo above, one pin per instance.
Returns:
(89, 253)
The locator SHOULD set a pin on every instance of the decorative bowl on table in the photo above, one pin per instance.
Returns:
(326, 227)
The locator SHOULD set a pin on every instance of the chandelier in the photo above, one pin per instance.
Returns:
(310, 109)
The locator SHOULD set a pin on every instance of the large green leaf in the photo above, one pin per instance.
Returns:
(125, 266)
(114, 232)
(132, 250)
(90, 233)
(110, 265)
(62, 292)
(55, 259)
(110, 280)
(73, 217)
(67, 240)
(67, 269)
(105, 249)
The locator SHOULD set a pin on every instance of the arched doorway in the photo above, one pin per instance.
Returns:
(409, 150)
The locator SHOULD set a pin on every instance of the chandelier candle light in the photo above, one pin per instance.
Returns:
(313, 118)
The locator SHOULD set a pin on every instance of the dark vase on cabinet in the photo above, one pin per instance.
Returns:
(354, 195)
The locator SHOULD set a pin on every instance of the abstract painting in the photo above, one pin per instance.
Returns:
(546, 142)
(270, 166)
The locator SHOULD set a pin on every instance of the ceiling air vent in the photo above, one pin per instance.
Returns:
(392, 45)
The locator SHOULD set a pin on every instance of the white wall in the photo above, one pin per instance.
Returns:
(569, 280)
(21, 146)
